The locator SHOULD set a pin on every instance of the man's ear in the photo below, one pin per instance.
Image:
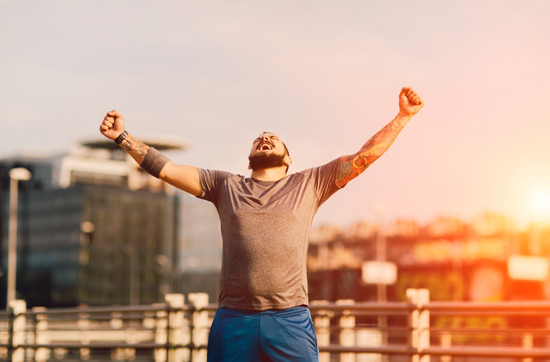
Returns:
(287, 160)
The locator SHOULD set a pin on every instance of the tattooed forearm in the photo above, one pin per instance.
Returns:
(127, 145)
(135, 148)
(352, 166)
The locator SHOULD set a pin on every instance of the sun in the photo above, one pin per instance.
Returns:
(540, 204)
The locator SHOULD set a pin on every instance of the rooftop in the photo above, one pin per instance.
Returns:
(158, 143)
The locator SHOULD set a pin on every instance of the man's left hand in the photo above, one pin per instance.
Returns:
(409, 102)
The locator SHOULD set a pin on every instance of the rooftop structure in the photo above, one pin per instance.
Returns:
(101, 161)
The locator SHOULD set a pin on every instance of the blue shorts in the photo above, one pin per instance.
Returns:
(271, 335)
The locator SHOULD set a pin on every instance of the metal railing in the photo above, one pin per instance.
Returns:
(421, 330)
(416, 330)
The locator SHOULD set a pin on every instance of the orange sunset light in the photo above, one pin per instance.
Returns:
(540, 204)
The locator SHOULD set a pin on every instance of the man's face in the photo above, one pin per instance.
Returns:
(268, 151)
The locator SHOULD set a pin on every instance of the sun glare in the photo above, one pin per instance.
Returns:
(540, 202)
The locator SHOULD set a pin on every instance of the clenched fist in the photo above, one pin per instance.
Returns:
(112, 125)
(409, 102)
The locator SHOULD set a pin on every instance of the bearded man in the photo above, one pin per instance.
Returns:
(265, 222)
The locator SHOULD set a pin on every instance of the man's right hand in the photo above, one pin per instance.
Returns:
(112, 125)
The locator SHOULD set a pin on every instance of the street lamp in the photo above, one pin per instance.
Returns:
(134, 283)
(167, 272)
(87, 229)
(16, 175)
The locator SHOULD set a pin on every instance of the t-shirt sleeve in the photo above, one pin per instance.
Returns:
(325, 180)
(211, 182)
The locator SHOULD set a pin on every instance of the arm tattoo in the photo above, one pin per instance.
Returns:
(351, 166)
(134, 147)
(127, 145)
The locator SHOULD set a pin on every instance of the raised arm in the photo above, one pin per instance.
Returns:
(183, 177)
(353, 165)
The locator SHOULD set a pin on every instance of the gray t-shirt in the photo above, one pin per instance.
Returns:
(265, 230)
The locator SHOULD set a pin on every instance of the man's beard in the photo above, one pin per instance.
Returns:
(262, 161)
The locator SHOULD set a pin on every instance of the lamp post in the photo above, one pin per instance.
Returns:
(166, 269)
(87, 229)
(134, 283)
(381, 288)
(16, 175)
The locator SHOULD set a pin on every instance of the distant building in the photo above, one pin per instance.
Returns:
(453, 259)
(200, 248)
(93, 229)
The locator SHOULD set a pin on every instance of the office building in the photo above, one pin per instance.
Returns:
(93, 229)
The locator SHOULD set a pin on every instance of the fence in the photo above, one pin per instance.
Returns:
(417, 330)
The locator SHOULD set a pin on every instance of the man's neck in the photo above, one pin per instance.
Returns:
(269, 174)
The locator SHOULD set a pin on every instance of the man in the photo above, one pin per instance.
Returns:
(265, 222)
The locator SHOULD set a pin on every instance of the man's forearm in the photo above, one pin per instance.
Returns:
(353, 165)
(137, 149)
(148, 158)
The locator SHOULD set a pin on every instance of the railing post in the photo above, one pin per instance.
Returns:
(527, 343)
(420, 323)
(41, 335)
(446, 341)
(347, 330)
(84, 330)
(200, 325)
(161, 335)
(321, 322)
(17, 308)
(177, 336)
(130, 337)
(370, 337)
(117, 323)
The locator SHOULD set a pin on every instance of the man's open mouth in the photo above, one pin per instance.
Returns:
(266, 145)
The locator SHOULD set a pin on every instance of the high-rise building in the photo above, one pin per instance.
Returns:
(93, 229)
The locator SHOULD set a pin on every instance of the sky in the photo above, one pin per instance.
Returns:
(323, 75)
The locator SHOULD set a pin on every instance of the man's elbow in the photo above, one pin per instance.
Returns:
(165, 171)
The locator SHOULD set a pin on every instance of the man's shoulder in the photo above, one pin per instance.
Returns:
(214, 180)
(328, 167)
(219, 174)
